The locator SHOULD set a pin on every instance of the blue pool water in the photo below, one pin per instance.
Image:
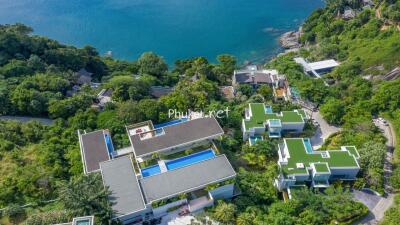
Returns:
(175, 29)
(190, 159)
(268, 109)
(151, 170)
(307, 143)
(110, 147)
(254, 139)
(169, 123)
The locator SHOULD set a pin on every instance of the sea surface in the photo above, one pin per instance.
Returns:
(175, 29)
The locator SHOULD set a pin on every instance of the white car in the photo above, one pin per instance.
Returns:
(382, 121)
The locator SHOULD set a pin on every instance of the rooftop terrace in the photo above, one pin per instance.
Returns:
(95, 147)
(175, 135)
(298, 153)
(259, 114)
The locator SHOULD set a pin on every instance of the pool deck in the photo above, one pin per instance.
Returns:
(168, 165)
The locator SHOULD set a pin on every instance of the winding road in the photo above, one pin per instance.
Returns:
(377, 205)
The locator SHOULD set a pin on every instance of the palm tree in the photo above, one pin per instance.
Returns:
(245, 219)
(85, 196)
(225, 212)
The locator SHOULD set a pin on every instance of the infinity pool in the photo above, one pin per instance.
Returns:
(268, 109)
(254, 139)
(151, 170)
(307, 143)
(179, 162)
(190, 159)
(169, 123)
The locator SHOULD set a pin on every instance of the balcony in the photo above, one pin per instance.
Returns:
(198, 203)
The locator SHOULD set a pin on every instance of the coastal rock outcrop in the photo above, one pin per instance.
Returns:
(290, 40)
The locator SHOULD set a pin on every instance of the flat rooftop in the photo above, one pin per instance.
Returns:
(330, 63)
(298, 153)
(93, 150)
(176, 135)
(126, 197)
(259, 116)
(185, 179)
(256, 76)
(325, 64)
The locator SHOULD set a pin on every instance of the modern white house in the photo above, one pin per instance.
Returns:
(260, 120)
(300, 165)
(170, 166)
(317, 68)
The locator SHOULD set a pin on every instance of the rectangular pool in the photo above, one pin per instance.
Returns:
(169, 123)
(309, 148)
(268, 109)
(254, 139)
(151, 170)
(190, 159)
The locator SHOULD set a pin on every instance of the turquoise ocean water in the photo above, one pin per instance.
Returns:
(175, 29)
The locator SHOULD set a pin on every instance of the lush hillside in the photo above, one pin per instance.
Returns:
(40, 164)
(368, 47)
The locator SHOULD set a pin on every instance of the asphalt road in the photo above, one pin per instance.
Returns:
(377, 205)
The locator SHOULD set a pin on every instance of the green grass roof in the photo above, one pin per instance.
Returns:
(259, 116)
(298, 154)
(321, 167)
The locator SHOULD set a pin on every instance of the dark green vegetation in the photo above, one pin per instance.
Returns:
(38, 163)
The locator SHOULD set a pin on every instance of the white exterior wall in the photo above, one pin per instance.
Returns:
(160, 211)
(129, 218)
(321, 177)
(302, 177)
(350, 173)
(222, 192)
(293, 126)
(252, 131)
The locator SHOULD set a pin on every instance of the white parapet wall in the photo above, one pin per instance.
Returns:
(162, 210)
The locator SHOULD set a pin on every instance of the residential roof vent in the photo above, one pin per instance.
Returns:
(300, 165)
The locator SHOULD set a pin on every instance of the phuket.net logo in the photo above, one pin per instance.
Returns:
(176, 114)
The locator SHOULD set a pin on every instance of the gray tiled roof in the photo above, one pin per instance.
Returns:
(119, 176)
(187, 178)
(247, 77)
(94, 150)
(179, 134)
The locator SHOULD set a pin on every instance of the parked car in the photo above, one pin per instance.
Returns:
(382, 121)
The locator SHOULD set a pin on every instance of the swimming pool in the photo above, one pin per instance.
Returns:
(169, 123)
(254, 139)
(83, 222)
(190, 159)
(268, 109)
(110, 147)
(151, 170)
(307, 143)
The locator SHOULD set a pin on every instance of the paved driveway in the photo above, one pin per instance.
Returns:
(323, 131)
(377, 206)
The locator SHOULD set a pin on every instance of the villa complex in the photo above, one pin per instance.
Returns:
(300, 164)
(254, 77)
(169, 166)
(260, 119)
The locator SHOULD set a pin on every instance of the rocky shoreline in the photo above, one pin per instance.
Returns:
(290, 40)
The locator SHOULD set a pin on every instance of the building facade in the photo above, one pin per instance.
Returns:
(300, 165)
(169, 166)
(260, 120)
